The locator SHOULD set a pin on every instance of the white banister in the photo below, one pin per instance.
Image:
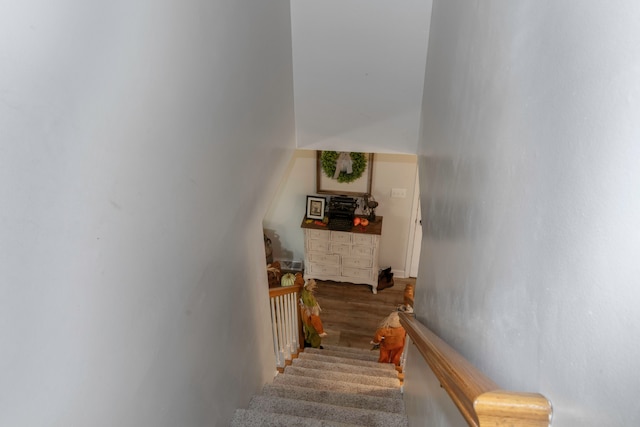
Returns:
(285, 323)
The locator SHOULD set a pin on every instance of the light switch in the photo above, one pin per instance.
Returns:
(398, 193)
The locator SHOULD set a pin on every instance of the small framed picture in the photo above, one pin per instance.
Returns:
(315, 207)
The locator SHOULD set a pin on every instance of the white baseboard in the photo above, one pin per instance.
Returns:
(399, 274)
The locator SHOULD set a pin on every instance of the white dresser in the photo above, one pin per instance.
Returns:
(343, 256)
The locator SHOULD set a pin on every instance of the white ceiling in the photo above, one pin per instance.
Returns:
(359, 73)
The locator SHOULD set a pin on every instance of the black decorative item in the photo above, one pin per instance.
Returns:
(369, 207)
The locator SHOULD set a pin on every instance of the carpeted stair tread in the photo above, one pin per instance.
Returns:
(354, 350)
(323, 411)
(342, 376)
(347, 361)
(339, 386)
(251, 418)
(371, 355)
(335, 398)
(345, 368)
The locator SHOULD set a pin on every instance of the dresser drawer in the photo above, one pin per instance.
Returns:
(318, 234)
(357, 262)
(318, 245)
(362, 239)
(322, 269)
(356, 273)
(329, 259)
(362, 251)
(341, 237)
(340, 248)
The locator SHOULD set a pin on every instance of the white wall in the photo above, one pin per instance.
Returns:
(359, 73)
(284, 217)
(530, 200)
(424, 397)
(140, 144)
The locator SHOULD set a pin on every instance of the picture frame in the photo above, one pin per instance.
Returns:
(316, 207)
(358, 186)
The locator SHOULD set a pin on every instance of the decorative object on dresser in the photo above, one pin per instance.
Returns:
(341, 213)
(343, 256)
(370, 206)
(316, 207)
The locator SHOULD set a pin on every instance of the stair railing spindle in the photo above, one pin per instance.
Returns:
(274, 330)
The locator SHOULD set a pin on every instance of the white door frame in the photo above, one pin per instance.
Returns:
(413, 245)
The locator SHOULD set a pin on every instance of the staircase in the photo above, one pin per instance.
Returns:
(335, 386)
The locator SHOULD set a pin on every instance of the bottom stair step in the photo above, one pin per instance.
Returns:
(323, 411)
(250, 418)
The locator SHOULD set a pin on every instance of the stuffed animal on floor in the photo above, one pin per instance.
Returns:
(310, 312)
(390, 336)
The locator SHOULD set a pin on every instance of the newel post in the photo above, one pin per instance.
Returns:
(500, 408)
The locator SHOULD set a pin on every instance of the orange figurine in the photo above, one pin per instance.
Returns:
(390, 337)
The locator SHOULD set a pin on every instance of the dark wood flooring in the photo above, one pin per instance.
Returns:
(351, 313)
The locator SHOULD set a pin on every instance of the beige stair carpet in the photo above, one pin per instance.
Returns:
(334, 386)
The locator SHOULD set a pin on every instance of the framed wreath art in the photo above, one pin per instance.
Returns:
(344, 172)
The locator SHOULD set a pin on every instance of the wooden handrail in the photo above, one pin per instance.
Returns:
(283, 290)
(478, 398)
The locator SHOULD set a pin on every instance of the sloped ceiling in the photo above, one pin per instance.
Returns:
(359, 73)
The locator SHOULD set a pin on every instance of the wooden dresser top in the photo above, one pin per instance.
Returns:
(374, 227)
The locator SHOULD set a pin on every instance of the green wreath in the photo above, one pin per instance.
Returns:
(328, 160)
